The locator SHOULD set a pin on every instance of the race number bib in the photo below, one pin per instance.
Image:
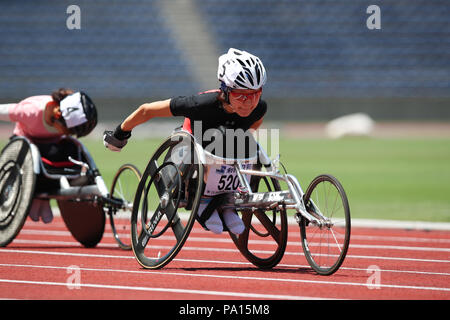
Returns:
(223, 178)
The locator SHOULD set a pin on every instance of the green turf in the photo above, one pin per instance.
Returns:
(405, 179)
(399, 179)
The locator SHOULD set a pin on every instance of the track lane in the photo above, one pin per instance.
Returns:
(408, 268)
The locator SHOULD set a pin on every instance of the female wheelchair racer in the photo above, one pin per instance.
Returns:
(237, 105)
(197, 183)
(42, 161)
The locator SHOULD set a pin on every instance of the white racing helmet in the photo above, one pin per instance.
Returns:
(79, 113)
(241, 70)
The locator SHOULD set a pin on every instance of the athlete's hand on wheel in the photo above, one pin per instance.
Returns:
(117, 139)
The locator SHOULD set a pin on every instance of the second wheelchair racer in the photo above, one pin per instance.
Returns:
(236, 105)
(44, 120)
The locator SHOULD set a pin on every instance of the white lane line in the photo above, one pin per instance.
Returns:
(356, 222)
(247, 278)
(352, 245)
(399, 238)
(71, 254)
(203, 261)
(73, 244)
(247, 295)
(389, 247)
(233, 250)
(279, 265)
(255, 242)
(399, 224)
(227, 239)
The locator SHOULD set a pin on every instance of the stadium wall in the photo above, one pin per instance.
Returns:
(322, 59)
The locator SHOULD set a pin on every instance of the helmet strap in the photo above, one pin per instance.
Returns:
(226, 91)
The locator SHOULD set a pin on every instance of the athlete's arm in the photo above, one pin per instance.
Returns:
(146, 112)
(4, 112)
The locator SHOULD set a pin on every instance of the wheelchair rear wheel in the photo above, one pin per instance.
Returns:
(264, 239)
(325, 246)
(84, 219)
(123, 188)
(173, 179)
(17, 183)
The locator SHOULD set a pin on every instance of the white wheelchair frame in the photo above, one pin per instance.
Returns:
(307, 213)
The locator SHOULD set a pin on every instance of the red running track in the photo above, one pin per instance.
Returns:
(380, 264)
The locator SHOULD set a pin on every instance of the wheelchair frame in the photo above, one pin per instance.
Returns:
(307, 213)
(290, 199)
(86, 199)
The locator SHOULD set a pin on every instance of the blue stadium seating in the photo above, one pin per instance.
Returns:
(319, 48)
(323, 47)
(123, 50)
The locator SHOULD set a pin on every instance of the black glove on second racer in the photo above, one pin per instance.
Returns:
(117, 139)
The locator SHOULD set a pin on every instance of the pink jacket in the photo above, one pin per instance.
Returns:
(29, 117)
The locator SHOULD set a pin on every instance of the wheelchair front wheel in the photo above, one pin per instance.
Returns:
(325, 245)
(123, 188)
(173, 179)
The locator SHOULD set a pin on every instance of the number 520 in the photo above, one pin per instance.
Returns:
(228, 182)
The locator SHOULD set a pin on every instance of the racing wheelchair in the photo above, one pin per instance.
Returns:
(70, 176)
(181, 170)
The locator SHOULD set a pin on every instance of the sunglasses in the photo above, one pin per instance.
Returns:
(245, 96)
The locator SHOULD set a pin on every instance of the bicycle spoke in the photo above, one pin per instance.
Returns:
(160, 192)
(178, 229)
(267, 223)
(337, 243)
(142, 240)
(247, 220)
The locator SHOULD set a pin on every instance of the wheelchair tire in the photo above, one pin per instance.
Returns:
(124, 188)
(325, 247)
(272, 229)
(175, 163)
(17, 184)
(85, 221)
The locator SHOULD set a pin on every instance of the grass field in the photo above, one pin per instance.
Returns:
(398, 179)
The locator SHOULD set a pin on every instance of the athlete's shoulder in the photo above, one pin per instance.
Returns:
(187, 105)
(36, 100)
(207, 97)
(258, 112)
(216, 91)
(29, 107)
(262, 104)
(261, 107)
(202, 98)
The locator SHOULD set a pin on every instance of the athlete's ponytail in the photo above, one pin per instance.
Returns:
(60, 94)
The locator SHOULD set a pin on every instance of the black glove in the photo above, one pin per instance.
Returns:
(117, 139)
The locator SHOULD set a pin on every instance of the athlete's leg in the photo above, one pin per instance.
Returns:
(213, 223)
